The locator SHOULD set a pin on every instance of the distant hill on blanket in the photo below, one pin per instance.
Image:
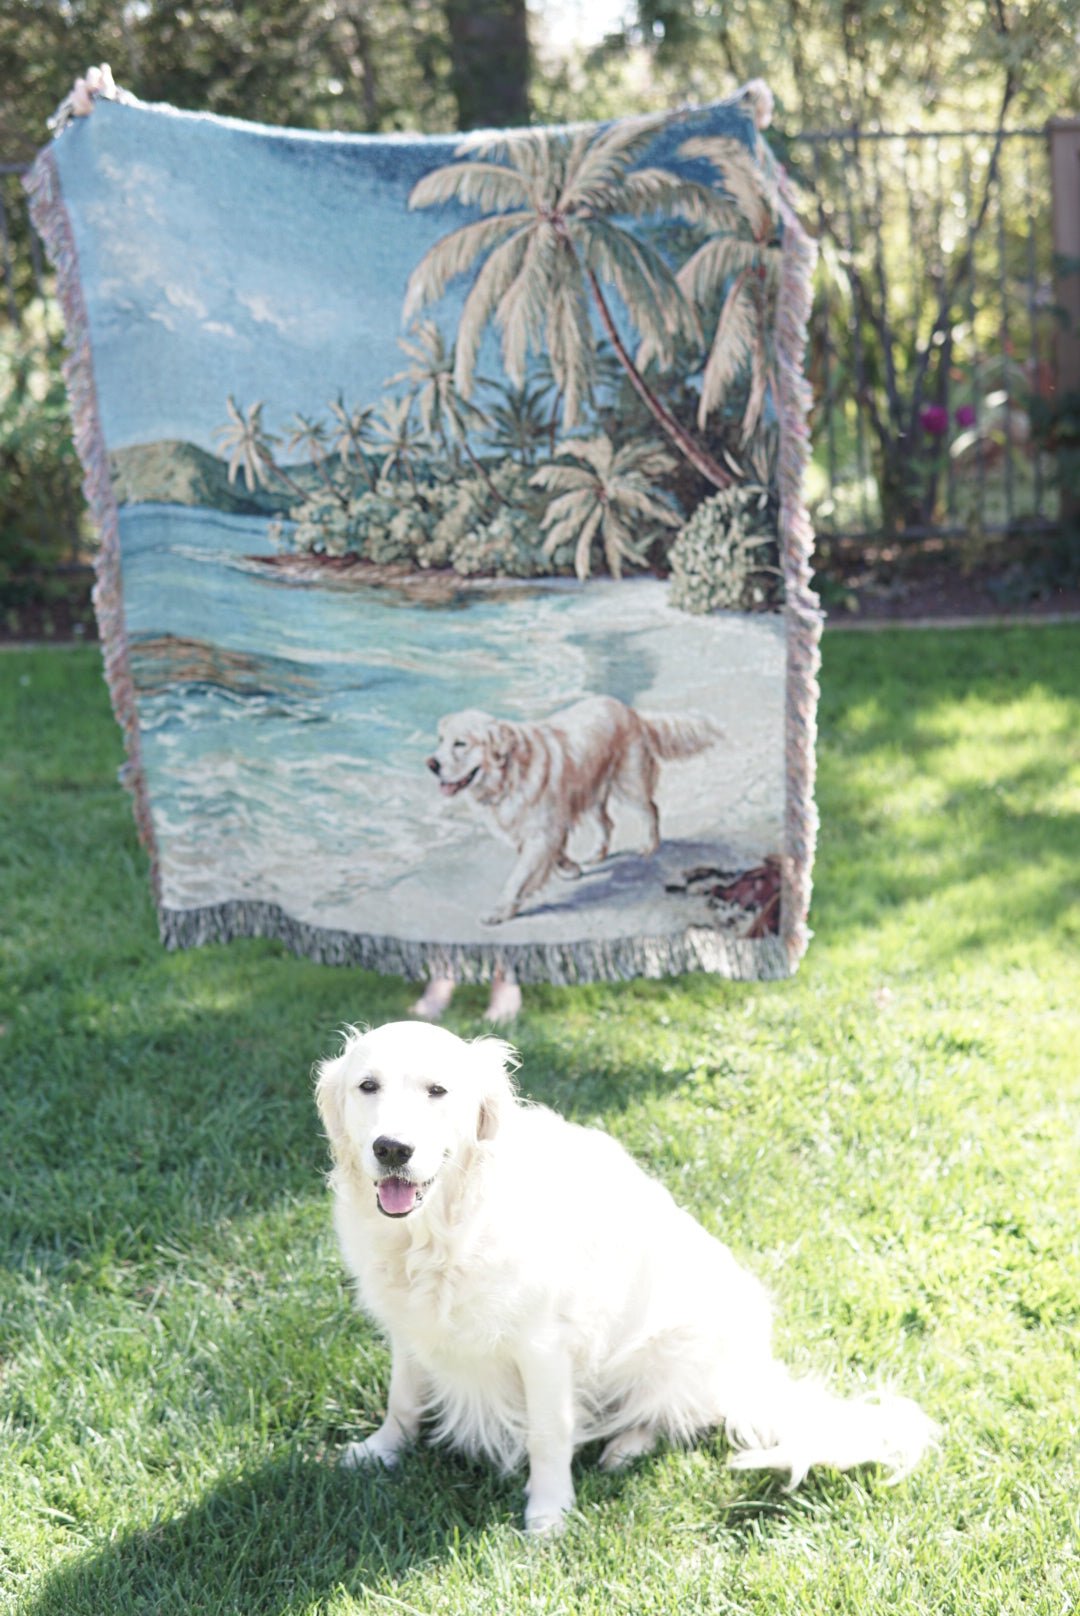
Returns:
(172, 472)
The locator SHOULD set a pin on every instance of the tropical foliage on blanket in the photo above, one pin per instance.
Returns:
(633, 425)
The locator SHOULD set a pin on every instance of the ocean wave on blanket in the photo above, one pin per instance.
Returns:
(540, 1291)
(454, 569)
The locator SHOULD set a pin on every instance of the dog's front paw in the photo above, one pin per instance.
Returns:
(546, 1508)
(377, 1449)
(544, 1520)
(497, 916)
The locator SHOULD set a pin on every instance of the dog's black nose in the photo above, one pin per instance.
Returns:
(390, 1153)
(433, 764)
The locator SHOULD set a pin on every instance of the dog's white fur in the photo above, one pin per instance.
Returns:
(541, 1290)
(535, 783)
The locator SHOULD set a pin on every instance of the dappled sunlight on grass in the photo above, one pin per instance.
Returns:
(889, 1140)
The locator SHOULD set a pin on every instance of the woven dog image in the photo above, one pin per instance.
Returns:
(535, 783)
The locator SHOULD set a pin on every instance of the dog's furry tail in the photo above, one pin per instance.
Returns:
(671, 737)
(781, 1423)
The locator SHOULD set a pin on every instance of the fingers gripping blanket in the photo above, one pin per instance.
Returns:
(453, 579)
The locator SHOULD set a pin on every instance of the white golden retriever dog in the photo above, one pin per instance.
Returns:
(539, 1290)
(534, 783)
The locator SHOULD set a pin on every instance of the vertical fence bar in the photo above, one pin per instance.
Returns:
(826, 337)
(1034, 333)
(860, 366)
(976, 361)
(1006, 356)
(1064, 136)
(9, 268)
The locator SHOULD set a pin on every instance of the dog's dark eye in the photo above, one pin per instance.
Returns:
(368, 1086)
(458, 746)
(436, 1091)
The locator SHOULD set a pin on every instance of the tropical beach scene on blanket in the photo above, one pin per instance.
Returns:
(450, 526)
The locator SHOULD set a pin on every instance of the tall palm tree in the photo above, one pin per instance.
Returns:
(310, 434)
(745, 259)
(546, 243)
(396, 438)
(251, 448)
(519, 422)
(606, 493)
(354, 435)
(445, 415)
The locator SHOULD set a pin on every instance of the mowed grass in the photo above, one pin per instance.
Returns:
(890, 1140)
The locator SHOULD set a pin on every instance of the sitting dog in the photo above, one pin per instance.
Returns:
(534, 783)
(539, 1290)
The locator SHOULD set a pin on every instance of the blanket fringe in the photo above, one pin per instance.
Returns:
(802, 612)
(698, 948)
(50, 219)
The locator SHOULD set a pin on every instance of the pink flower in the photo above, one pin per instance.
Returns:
(934, 419)
(965, 415)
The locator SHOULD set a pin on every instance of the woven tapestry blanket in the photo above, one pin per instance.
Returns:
(453, 579)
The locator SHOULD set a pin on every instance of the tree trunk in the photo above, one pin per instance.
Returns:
(489, 62)
(698, 457)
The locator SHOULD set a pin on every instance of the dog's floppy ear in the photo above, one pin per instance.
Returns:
(502, 739)
(330, 1094)
(494, 1062)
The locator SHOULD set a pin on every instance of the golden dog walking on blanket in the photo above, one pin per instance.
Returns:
(539, 1290)
(534, 783)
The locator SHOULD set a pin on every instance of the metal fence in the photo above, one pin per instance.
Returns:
(932, 330)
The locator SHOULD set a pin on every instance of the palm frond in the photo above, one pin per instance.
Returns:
(715, 262)
(607, 156)
(454, 254)
(657, 190)
(491, 186)
(489, 288)
(732, 344)
(522, 308)
(570, 493)
(748, 182)
(570, 345)
(649, 290)
(645, 457)
(598, 452)
(583, 552)
(755, 401)
(642, 502)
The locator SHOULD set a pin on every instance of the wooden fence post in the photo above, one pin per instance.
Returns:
(1064, 136)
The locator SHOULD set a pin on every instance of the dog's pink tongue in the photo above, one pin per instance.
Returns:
(396, 1195)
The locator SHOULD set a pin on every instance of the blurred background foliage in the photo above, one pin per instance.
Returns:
(382, 65)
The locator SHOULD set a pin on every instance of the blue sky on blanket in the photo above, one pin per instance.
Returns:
(262, 263)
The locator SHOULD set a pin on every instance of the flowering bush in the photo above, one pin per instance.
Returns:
(474, 524)
(721, 557)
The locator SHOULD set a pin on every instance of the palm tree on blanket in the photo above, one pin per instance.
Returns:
(547, 242)
(445, 416)
(745, 259)
(353, 435)
(250, 449)
(397, 438)
(607, 493)
(519, 421)
(311, 434)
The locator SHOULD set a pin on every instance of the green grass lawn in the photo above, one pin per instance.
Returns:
(889, 1140)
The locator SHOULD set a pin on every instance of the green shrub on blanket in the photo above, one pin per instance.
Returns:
(454, 563)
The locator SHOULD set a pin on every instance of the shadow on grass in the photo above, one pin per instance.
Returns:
(288, 1535)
